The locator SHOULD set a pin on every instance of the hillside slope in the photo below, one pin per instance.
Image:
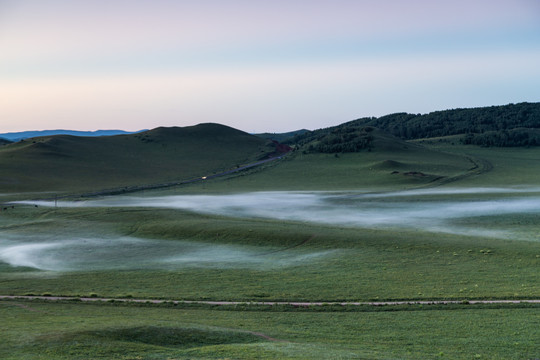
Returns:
(507, 125)
(387, 162)
(70, 163)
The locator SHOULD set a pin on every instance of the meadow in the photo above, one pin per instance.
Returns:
(384, 225)
(82, 331)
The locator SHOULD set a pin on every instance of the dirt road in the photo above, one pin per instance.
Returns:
(270, 303)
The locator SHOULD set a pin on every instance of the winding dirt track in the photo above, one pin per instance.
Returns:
(480, 166)
(270, 303)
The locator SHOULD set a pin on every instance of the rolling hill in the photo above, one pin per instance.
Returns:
(376, 160)
(70, 163)
(356, 153)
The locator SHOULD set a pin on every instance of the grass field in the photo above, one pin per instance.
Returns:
(81, 331)
(216, 257)
(340, 228)
(387, 168)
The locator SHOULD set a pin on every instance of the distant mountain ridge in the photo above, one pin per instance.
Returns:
(16, 136)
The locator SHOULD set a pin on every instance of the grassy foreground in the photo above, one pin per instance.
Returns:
(82, 331)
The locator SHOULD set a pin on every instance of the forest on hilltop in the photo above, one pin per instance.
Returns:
(502, 126)
(507, 125)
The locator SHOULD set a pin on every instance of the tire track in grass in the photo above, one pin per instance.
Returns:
(22, 306)
(256, 333)
(480, 166)
(303, 242)
(264, 336)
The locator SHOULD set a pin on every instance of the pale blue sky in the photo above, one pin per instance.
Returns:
(258, 65)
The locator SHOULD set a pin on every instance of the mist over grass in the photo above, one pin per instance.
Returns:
(50, 253)
(458, 191)
(433, 210)
(507, 213)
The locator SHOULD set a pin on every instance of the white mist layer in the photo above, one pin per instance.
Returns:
(28, 255)
(127, 253)
(439, 212)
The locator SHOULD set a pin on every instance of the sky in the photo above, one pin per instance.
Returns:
(259, 66)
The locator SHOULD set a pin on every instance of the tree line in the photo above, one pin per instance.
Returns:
(338, 139)
(490, 126)
(507, 125)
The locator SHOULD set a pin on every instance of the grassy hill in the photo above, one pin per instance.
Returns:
(348, 138)
(70, 163)
(388, 162)
(4, 141)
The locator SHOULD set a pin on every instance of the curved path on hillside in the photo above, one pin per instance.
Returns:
(270, 303)
(480, 166)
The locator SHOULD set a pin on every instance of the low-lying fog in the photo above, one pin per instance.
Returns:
(74, 254)
(435, 210)
(489, 212)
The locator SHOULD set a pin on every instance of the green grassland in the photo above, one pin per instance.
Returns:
(509, 166)
(391, 164)
(285, 260)
(305, 261)
(82, 331)
(395, 166)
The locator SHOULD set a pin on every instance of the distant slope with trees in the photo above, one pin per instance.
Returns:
(349, 137)
(508, 125)
(281, 137)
